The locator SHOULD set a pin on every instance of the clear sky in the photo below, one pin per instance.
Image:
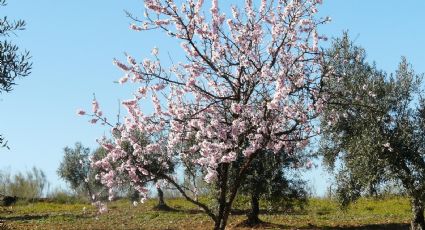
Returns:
(73, 44)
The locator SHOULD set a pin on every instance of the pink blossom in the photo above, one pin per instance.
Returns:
(211, 175)
(155, 51)
(81, 112)
(229, 157)
(143, 91)
(130, 102)
(158, 87)
(95, 106)
(135, 27)
(236, 108)
(309, 164)
(123, 79)
(121, 65)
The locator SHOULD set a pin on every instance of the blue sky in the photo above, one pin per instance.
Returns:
(73, 44)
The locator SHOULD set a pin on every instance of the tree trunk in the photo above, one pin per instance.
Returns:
(161, 203)
(217, 223)
(221, 221)
(372, 190)
(418, 222)
(90, 193)
(253, 219)
(223, 172)
(225, 207)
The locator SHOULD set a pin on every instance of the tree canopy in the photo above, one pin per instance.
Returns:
(13, 63)
(374, 124)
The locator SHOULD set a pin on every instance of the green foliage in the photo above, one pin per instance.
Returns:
(61, 196)
(75, 167)
(29, 185)
(269, 179)
(13, 64)
(348, 189)
(76, 171)
(358, 101)
(373, 124)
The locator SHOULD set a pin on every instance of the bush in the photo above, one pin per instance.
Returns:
(62, 196)
(27, 186)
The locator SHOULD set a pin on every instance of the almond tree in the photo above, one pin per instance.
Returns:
(250, 83)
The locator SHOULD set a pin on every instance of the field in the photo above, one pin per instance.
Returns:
(389, 213)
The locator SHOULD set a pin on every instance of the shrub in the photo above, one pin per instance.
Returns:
(27, 186)
(62, 196)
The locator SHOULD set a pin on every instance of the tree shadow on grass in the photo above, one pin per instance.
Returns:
(233, 212)
(392, 226)
(23, 218)
(238, 212)
(164, 208)
(267, 225)
(261, 225)
(181, 209)
(28, 217)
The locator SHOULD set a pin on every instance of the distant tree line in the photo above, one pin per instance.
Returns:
(28, 186)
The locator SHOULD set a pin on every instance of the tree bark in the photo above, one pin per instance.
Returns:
(161, 202)
(223, 172)
(221, 220)
(207, 210)
(89, 191)
(372, 190)
(418, 222)
(255, 210)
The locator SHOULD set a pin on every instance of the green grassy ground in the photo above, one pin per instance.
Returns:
(390, 213)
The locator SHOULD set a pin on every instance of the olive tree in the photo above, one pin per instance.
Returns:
(374, 123)
(13, 63)
(268, 179)
(76, 171)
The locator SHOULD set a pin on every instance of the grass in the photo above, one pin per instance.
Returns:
(390, 213)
